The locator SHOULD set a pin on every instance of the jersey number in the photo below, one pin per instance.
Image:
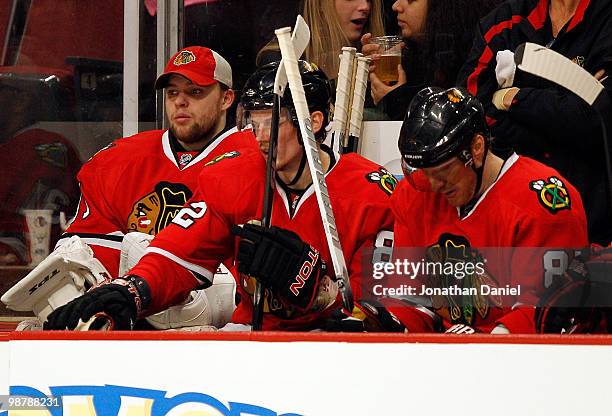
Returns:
(555, 264)
(383, 247)
(186, 216)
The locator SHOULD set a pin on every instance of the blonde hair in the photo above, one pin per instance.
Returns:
(327, 37)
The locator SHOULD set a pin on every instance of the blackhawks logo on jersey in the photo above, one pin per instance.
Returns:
(455, 266)
(228, 155)
(272, 304)
(55, 154)
(154, 211)
(552, 194)
(384, 179)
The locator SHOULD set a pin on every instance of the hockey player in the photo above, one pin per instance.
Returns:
(459, 198)
(139, 183)
(38, 166)
(291, 258)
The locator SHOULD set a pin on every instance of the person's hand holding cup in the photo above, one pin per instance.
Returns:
(388, 55)
(386, 71)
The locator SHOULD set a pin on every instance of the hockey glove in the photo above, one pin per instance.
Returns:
(281, 261)
(119, 301)
(368, 315)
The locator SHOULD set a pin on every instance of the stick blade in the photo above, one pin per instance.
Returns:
(300, 39)
(548, 64)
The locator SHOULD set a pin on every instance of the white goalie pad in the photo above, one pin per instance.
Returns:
(133, 247)
(64, 275)
(204, 308)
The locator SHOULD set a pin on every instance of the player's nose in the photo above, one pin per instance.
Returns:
(436, 183)
(181, 100)
(262, 134)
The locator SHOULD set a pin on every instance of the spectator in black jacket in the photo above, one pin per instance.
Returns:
(535, 117)
(437, 35)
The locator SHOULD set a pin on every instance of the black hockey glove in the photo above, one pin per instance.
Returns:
(281, 261)
(119, 301)
(368, 315)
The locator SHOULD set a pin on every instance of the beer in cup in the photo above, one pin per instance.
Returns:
(390, 50)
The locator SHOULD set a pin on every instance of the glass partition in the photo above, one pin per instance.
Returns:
(61, 75)
(77, 75)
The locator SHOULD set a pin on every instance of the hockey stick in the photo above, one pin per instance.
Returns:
(314, 164)
(343, 90)
(347, 127)
(546, 63)
(361, 83)
(300, 39)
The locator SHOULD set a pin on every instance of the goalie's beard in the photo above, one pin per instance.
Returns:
(197, 133)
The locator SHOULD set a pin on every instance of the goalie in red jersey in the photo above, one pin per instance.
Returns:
(134, 187)
(291, 258)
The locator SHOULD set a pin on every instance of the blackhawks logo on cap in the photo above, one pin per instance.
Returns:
(552, 194)
(384, 179)
(184, 57)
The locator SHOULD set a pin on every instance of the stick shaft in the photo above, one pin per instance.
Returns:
(315, 166)
(299, 40)
(266, 219)
(343, 90)
(361, 83)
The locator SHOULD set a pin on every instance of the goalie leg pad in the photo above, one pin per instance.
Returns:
(209, 307)
(65, 274)
(203, 308)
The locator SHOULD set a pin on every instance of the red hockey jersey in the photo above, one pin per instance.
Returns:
(39, 169)
(139, 183)
(231, 192)
(529, 206)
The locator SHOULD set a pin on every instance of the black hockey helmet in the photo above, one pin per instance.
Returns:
(258, 93)
(440, 125)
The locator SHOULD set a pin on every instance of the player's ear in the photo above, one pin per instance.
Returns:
(316, 118)
(228, 98)
(478, 149)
